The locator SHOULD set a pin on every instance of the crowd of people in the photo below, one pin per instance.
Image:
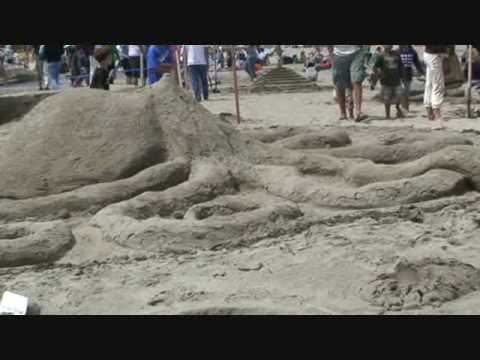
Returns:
(394, 68)
(96, 66)
(8, 56)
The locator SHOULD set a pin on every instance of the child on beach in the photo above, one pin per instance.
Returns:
(410, 59)
(388, 68)
(371, 61)
(100, 78)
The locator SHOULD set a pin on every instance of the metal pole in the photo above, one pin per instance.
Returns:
(92, 68)
(179, 70)
(215, 69)
(469, 83)
(185, 67)
(235, 84)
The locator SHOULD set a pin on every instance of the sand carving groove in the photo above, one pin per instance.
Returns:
(161, 173)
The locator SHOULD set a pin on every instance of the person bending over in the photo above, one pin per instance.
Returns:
(159, 62)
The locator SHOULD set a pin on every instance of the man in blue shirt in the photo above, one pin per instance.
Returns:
(159, 62)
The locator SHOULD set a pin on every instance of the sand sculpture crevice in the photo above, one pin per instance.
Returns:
(166, 175)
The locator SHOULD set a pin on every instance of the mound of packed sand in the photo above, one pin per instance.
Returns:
(82, 137)
(162, 174)
(164, 208)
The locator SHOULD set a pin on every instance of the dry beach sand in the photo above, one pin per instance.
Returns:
(291, 212)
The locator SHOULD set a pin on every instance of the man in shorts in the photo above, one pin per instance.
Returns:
(349, 72)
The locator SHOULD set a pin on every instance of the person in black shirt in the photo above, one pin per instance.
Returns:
(79, 67)
(410, 59)
(389, 69)
(53, 56)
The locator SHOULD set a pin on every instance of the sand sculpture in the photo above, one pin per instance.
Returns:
(158, 172)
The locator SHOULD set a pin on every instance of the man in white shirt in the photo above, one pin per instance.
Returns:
(197, 60)
(349, 73)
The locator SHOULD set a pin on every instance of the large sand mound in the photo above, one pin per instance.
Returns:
(83, 137)
(152, 171)
(144, 202)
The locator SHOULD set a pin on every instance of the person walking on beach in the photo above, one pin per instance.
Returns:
(79, 67)
(252, 58)
(53, 55)
(435, 80)
(38, 66)
(349, 72)
(389, 68)
(100, 78)
(125, 62)
(197, 60)
(410, 59)
(134, 55)
(372, 58)
(3, 72)
(221, 58)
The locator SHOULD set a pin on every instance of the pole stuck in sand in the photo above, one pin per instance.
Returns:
(215, 72)
(179, 69)
(142, 73)
(469, 83)
(185, 68)
(92, 67)
(235, 83)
